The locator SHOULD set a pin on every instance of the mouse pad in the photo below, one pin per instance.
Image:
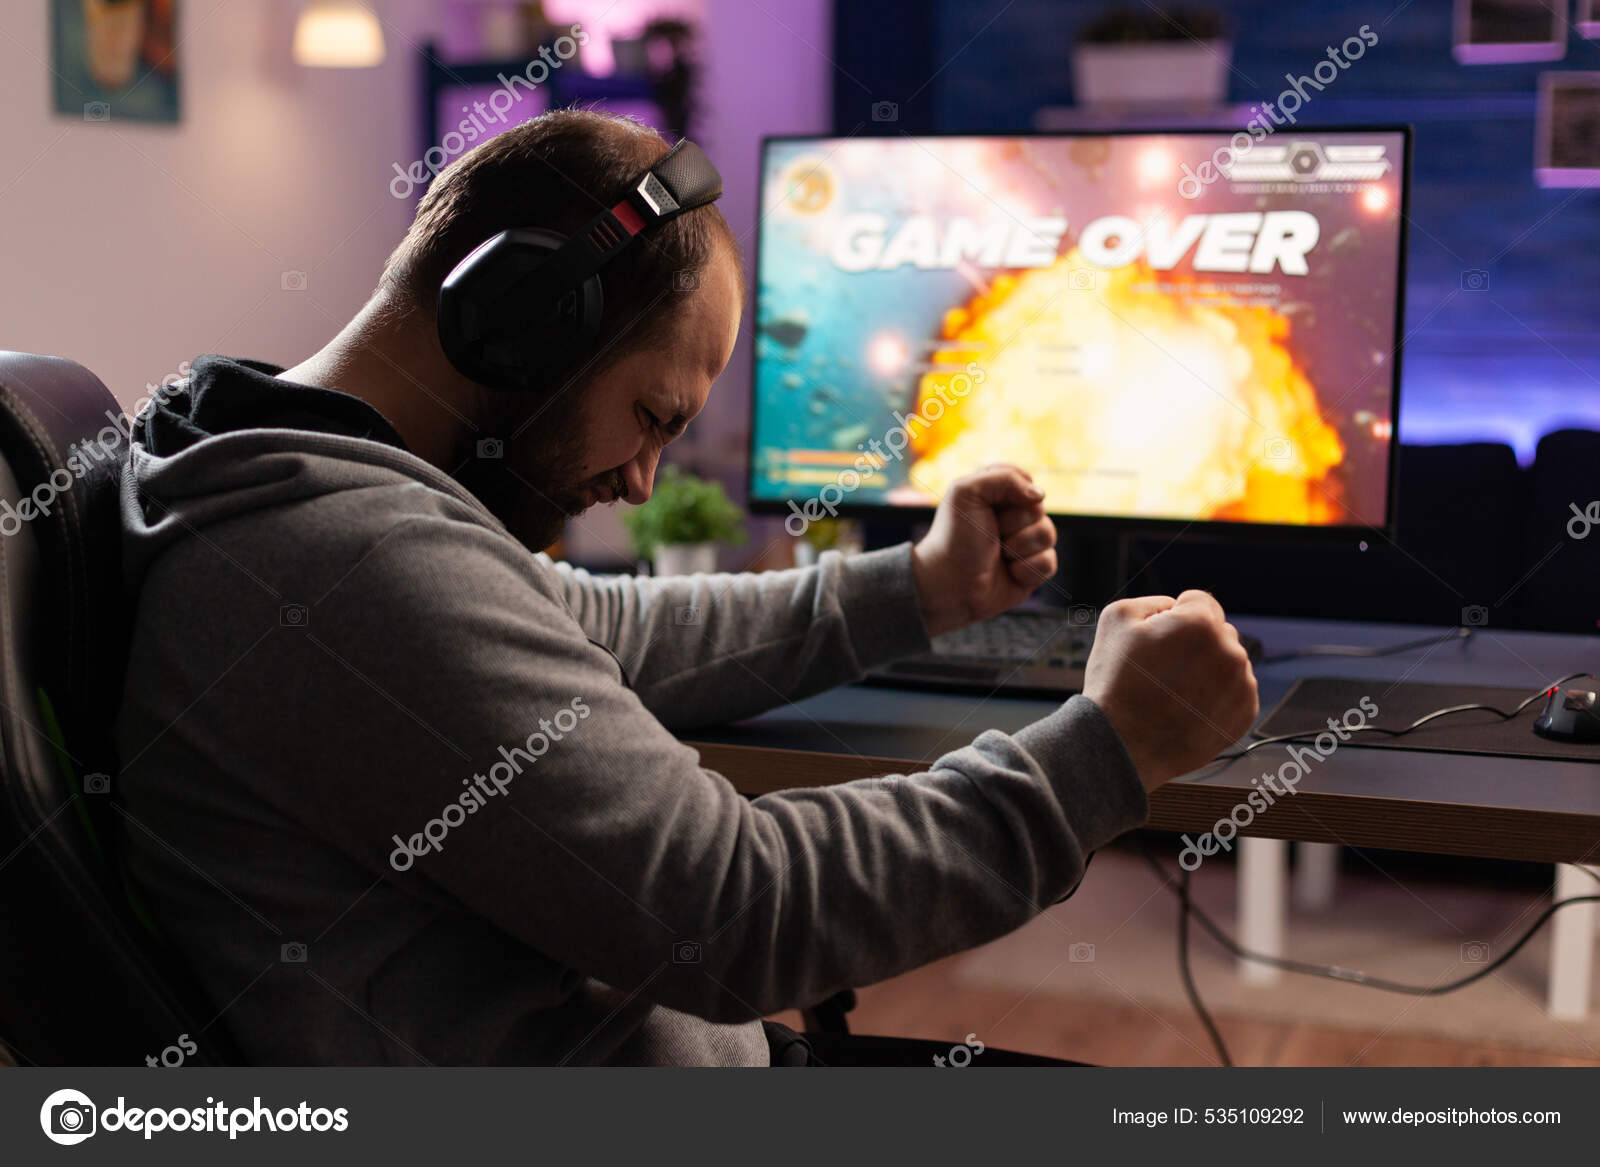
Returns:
(1312, 700)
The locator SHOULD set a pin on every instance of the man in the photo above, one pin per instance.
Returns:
(406, 792)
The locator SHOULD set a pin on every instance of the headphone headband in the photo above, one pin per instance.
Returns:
(493, 307)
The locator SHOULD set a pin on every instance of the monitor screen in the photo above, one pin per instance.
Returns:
(1161, 327)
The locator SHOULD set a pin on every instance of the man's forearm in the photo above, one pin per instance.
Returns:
(702, 650)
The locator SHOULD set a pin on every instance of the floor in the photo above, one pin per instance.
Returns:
(1096, 979)
(1032, 992)
(933, 1003)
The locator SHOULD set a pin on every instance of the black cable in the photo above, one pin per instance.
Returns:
(1589, 871)
(1329, 972)
(1417, 724)
(1462, 634)
(1188, 908)
(1185, 909)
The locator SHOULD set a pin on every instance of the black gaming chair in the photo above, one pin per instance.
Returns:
(84, 977)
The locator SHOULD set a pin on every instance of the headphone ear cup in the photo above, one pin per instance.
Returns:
(573, 323)
(513, 353)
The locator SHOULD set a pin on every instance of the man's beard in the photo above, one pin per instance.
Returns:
(533, 486)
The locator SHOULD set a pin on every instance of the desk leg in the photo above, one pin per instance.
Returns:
(1571, 946)
(1316, 875)
(1263, 895)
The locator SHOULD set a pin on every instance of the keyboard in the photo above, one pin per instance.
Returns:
(1027, 652)
(1021, 653)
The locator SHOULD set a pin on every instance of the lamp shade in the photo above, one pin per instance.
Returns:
(338, 35)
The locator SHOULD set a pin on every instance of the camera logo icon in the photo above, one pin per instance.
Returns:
(885, 111)
(1082, 615)
(686, 952)
(67, 1117)
(688, 614)
(96, 111)
(1280, 450)
(1474, 279)
(686, 280)
(97, 783)
(293, 615)
(1474, 952)
(1082, 279)
(294, 281)
(1081, 953)
(490, 448)
(1474, 615)
(293, 952)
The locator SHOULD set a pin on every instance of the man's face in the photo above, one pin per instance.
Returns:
(604, 441)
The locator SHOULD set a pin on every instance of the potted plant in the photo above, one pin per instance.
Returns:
(679, 528)
(824, 535)
(1153, 56)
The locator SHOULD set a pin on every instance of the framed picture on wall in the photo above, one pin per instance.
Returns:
(1588, 19)
(1496, 32)
(1569, 130)
(115, 60)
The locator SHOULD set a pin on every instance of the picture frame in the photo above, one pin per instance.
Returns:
(1499, 32)
(1588, 19)
(1568, 130)
(115, 60)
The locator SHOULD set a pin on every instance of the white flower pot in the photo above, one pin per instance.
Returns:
(685, 558)
(806, 555)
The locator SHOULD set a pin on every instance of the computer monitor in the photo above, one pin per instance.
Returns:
(1185, 330)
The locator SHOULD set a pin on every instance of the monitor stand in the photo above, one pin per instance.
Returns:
(1093, 571)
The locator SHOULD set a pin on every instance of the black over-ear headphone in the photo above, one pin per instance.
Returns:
(530, 295)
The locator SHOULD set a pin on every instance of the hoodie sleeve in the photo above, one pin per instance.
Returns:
(470, 742)
(708, 649)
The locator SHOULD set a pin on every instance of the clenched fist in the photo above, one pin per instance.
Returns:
(1173, 679)
(991, 544)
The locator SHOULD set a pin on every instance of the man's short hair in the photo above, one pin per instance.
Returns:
(556, 172)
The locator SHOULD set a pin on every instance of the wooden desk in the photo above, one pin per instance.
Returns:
(1504, 808)
(1490, 807)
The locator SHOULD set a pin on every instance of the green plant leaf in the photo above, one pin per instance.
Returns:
(683, 509)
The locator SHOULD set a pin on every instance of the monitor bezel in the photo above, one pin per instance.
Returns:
(1069, 522)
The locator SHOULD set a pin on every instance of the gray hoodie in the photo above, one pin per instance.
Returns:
(405, 792)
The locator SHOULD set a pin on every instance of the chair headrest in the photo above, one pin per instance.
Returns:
(65, 439)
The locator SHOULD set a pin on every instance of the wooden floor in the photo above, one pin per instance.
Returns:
(928, 1003)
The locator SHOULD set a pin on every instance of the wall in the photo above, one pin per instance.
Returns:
(131, 247)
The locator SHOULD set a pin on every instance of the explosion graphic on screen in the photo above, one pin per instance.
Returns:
(1129, 391)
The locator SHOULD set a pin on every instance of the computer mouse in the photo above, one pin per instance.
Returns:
(1571, 712)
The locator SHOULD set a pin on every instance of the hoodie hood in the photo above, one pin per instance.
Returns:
(233, 439)
(224, 395)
